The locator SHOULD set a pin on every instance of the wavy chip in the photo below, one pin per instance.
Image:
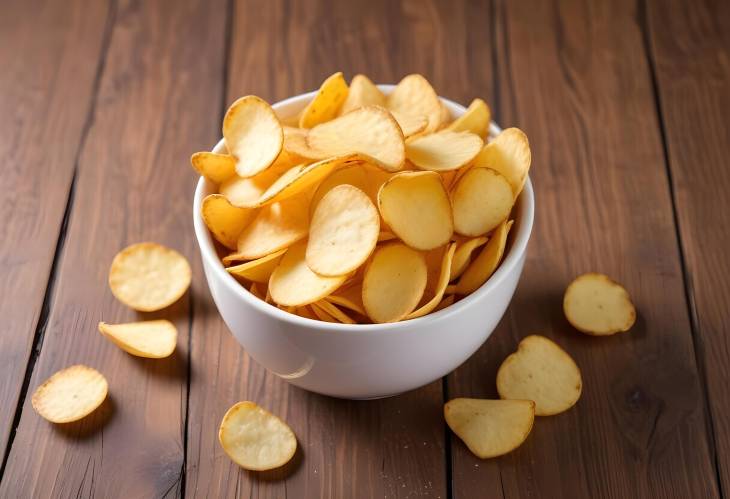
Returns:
(410, 124)
(509, 154)
(475, 119)
(225, 221)
(246, 192)
(481, 200)
(326, 104)
(70, 394)
(295, 144)
(596, 305)
(215, 167)
(462, 256)
(443, 151)
(415, 96)
(441, 284)
(484, 265)
(258, 270)
(150, 339)
(362, 93)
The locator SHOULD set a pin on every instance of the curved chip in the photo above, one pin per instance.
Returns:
(509, 154)
(349, 297)
(596, 305)
(370, 131)
(475, 119)
(543, 372)
(417, 209)
(415, 96)
(246, 192)
(441, 284)
(326, 103)
(484, 265)
(481, 200)
(443, 151)
(255, 439)
(446, 302)
(333, 311)
(253, 135)
(258, 270)
(149, 276)
(462, 256)
(150, 339)
(410, 124)
(490, 428)
(224, 220)
(215, 167)
(294, 284)
(295, 144)
(362, 93)
(70, 394)
(394, 282)
(343, 231)
(355, 175)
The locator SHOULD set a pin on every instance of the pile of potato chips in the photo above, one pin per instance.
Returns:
(372, 208)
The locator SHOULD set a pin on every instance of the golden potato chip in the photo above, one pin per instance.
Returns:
(490, 428)
(443, 151)
(253, 135)
(508, 154)
(295, 144)
(484, 265)
(415, 96)
(349, 297)
(276, 226)
(443, 281)
(150, 339)
(410, 124)
(394, 282)
(343, 231)
(225, 221)
(322, 315)
(386, 235)
(70, 394)
(335, 312)
(445, 116)
(596, 305)
(355, 175)
(543, 372)
(326, 103)
(475, 119)
(306, 312)
(255, 439)
(481, 200)
(258, 270)
(246, 192)
(362, 93)
(215, 167)
(447, 301)
(370, 131)
(417, 209)
(149, 276)
(294, 284)
(257, 291)
(462, 257)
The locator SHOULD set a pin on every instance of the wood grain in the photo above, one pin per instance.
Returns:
(574, 76)
(690, 46)
(162, 76)
(45, 98)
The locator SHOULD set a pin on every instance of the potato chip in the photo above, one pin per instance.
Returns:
(370, 131)
(253, 135)
(443, 281)
(70, 394)
(343, 231)
(386, 235)
(257, 291)
(484, 265)
(335, 312)
(415, 96)
(362, 93)
(490, 428)
(276, 226)
(355, 175)
(394, 282)
(417, 209)
(326, 103)
(225, 221)
(508, 154)
(215, 167)
(462, 256)
(295, 144)
(149, 276)
(322, 315)
(246, 192)
(306, 312)
(443, 151)
(258, 270)
(481, 200)
(445, 117)
(410, 124)
(596, 305)
(543, 372)
(150, 339)
(349, 297)
(294, 284)
(447, 301)
(255, 439)
(475, 119)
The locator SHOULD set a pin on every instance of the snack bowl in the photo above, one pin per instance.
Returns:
(363, 361)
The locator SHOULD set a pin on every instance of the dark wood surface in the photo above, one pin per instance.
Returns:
(626, 106)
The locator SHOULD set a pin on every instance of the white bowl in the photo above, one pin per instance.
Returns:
(365, 360)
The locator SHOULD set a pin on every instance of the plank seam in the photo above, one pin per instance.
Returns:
(447, 444)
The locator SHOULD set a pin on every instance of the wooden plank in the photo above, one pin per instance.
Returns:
(162, 77)
(50, 53)
(386, 448)
(690, 47)
(575, 77)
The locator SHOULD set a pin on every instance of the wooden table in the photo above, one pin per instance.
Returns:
(627, 106)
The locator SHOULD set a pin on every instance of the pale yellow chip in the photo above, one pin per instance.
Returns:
(258, 270)
(410, 124)
(386, 235)
(333, 311)
(326, 103)
(415, 96)
(295, 144)
(149, 276)
(370, 131)
(441, 284)
(445, 116)
(490, 428)
(215, 167)
(462, 257)
(255, 439)
(481, 200)
(416, 208)
(443, 151)
(509, 154)
(362, 93)
(596, 305)
(394, 282)
(343, 231)
(150, 339)
(321, 314)
(484, 265)
(246, 192)
(349, 297)
(475, 119)
(70, 394)
(355, 175)
(225, 221)
(294, 284)
(543, 372)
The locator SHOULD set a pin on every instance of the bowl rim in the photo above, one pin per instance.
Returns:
(516, 250)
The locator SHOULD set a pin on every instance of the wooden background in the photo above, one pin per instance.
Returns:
(627, 106)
